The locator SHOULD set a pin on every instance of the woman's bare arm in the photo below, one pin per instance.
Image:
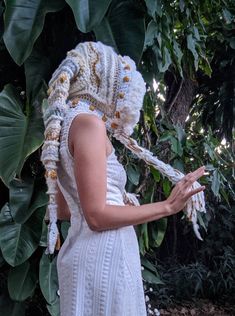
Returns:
(87, 139)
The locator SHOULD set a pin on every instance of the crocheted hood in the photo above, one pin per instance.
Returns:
(110, 81)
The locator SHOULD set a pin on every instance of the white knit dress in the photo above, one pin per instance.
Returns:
(99, 272)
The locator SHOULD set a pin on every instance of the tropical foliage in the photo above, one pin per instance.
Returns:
(185, 51)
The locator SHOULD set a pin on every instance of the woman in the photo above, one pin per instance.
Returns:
(93, 91)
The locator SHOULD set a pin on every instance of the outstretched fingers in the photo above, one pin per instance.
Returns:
(191, 177)
(195, 191)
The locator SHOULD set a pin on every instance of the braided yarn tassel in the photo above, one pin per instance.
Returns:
(130, 198)
(53, 116)
(195, 204)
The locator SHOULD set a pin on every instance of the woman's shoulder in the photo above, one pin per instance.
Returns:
(88, 122)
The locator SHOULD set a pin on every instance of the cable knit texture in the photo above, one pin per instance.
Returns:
(99, 272)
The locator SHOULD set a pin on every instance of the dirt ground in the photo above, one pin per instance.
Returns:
(200, 308)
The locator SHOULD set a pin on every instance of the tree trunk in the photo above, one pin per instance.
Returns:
(179, 97)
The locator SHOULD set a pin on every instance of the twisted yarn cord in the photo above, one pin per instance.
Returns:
(194, 204)
(53, 116)
(130, 198)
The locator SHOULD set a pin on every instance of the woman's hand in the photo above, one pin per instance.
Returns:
(183, 191)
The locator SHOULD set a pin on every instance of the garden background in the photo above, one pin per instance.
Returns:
(185, 49)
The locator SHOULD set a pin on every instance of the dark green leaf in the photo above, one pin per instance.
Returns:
(24, 20)
(156, 174)
(191, 44)
(19, 241)
(179, 54)
(123, 28)
(48, 278)
(144, 232)
(166, 60)
(43, 240)
(161, 230)
(154, 7)
(166, 187)
(22, 281)
(176, 146)
(200, 220)
(181, 134)
(88, 14)
(165, 136)
(54, 309)
(20, 135)
(215, 186)
(151, 34)
(149, 277)
(133, 174)
(141, 245)
(36, 70)
(147, 264)
(39, 199)
(20, 194)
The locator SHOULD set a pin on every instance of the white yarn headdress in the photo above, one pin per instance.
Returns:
(110, 82)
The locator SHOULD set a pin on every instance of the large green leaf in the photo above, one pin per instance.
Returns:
(43, 240)
(19, 241)
(159, 231)
(154, 7)
(20, 194)
(22, 281)
(24, 20)
(149, 277)
(23, 201)
(37, 67)
(48, 278)
(20, 134)
(151, 33)
(123, 28)
(133, 174)
(88, 13)
(191, 45)
(54, 309)
(39, 200)
(216, 182)
(150, 273)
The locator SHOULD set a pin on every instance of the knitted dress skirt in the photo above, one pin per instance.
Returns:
(99, 272)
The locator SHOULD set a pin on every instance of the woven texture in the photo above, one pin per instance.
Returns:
(99, 272)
